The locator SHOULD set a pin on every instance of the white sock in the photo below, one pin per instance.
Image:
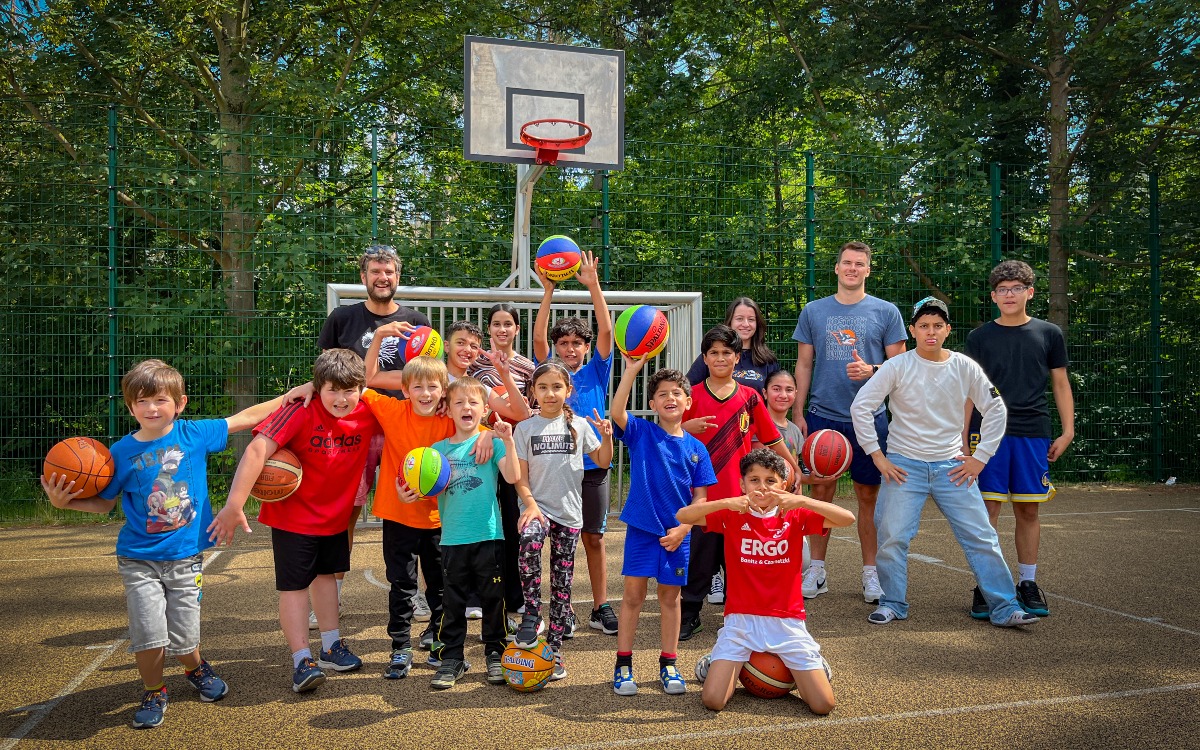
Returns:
(1026, 572)
(869, 569)
(339, 585)
(329, 637)
(300, 656)
(817, 564)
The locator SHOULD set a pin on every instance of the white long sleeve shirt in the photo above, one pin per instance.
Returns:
(926, 400)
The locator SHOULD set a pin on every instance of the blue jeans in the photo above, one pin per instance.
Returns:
(898, 515)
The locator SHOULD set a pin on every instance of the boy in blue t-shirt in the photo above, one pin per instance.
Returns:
(472, 534)
(668, 470)
(160, 472)
(572, 338)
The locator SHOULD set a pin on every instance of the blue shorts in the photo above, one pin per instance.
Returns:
(1020, 471)
(645, 557)
(862, 468)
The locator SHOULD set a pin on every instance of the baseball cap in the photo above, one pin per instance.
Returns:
(930, 305)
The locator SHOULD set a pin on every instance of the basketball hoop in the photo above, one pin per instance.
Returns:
(552, 135)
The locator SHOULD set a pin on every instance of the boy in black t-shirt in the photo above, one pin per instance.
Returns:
(1017, 353)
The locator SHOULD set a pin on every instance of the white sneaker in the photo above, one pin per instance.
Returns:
(716, 592)
(871, 588)
(474, 613)
(421, 611)
(814, 582)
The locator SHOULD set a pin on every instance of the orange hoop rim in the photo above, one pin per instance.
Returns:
(549, 148)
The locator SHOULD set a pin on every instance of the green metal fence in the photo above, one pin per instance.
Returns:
(125, 237)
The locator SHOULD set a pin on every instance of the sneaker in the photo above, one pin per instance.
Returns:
(672, 681)
(560, 670)
(150, 714)
(495, 670)
(211, 687)
(604, 619)
(882, 616)
(338, 658)
(1029, 596)
(1020, 617)
(398, 667)
(427, 639)
(689, 626)
(527, 634)
(702, 665)
(979, 606)
(828, 669)
(307, 676)
(623, 682)
(421, 612)
(871, 588)
(312, 621)
(716, 591)
(474, 613)
(569, 630)
(448, 674)
(513, 625)
(813, 586)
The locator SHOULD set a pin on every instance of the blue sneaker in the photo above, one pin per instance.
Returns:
(154, 705)
(672, 681)
(623, 682)
(400, 664)
(307, 676)
(211, 687)
(338, 658)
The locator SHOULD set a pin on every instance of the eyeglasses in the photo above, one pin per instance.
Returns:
(1010, 291)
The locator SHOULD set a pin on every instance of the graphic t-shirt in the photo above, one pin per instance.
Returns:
(468, 507)
(353, 327)
(746, 372)
(1018, 360)
(589, 390)
(556, 464)
(792, 438)
(332, 454)
(403, 430)
(740, 417)
(835, 331)
(164, 490)
(663, 469)
(764, 560)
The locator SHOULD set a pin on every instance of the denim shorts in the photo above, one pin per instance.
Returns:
(163, 599)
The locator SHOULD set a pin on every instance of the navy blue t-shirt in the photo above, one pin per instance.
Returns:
(745, 372)
(663, 469)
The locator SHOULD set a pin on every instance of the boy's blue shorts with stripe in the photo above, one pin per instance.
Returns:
(645, 557)
(1019, 472)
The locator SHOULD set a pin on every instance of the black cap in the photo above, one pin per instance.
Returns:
(928, 306)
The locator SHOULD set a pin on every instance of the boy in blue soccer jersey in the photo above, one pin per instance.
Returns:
(571, 338)
(160, 472)
(668, 470)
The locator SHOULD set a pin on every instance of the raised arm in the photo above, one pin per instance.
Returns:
(386, 379)
(541, 322)
(512, 405)
(510, 465)
(247, 418)
(620, 400)
(835, 515)
(697, 512)
(589, 277)
(602, 456)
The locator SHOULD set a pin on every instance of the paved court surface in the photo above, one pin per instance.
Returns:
(1117, 664)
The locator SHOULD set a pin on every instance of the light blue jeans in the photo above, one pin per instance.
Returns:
(898, 516)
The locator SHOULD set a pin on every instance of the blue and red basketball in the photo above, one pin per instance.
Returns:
(558, 256)
(641, 330)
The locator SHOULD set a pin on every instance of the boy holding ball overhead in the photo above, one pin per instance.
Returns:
(162, 465)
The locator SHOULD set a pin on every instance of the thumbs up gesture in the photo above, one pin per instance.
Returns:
(857, 369)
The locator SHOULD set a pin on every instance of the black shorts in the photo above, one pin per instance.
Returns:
(300, 558)
(595, 501)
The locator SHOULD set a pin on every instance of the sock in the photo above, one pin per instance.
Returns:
(339, 585)
(869, 569)
(666, 660)
(193, 669)
(625, 659)
(817, 564)
(299, 656)
(1026, 572)
(330, 637)
(155, 689)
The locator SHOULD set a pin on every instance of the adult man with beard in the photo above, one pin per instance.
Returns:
(842, 340)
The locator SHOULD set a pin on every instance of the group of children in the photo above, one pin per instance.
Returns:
(697, 482)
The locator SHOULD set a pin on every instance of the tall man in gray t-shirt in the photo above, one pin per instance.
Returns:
(842, 341)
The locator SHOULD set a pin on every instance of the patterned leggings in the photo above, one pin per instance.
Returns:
(562, 571)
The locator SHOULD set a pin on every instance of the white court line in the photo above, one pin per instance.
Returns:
(880, 718)
(43, 710)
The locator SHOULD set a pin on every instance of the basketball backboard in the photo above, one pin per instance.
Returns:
(508, 83)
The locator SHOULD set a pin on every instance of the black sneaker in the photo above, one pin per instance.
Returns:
(1029, 596)
(448, 674)
(427, 639)
(689, 626)
(604, 619)
(495, 670)
(527, 633)
(979, 606)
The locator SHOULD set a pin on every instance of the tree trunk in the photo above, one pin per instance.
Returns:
(1059, 69)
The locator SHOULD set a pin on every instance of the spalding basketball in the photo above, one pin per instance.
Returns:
(422, 342)
(826, 453)
(81, 460)
(558, 257)
(527, 669)
(425, 471)
(279, 478)
(766, 676)
(641, 330)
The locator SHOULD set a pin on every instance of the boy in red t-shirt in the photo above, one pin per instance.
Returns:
(764, 603)
(330, 436)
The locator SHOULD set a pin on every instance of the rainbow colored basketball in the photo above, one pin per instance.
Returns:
(425, 471)
(766, 676)
(558, 256)
(527, 669)
(423, 342)
(826, 453)
(641, 330)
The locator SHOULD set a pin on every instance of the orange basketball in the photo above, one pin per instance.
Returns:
(83, 461)
(527, 669)
(766, 676)
(280, 477)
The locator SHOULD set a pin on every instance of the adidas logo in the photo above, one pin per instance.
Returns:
(319, 428)
(745, 527)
